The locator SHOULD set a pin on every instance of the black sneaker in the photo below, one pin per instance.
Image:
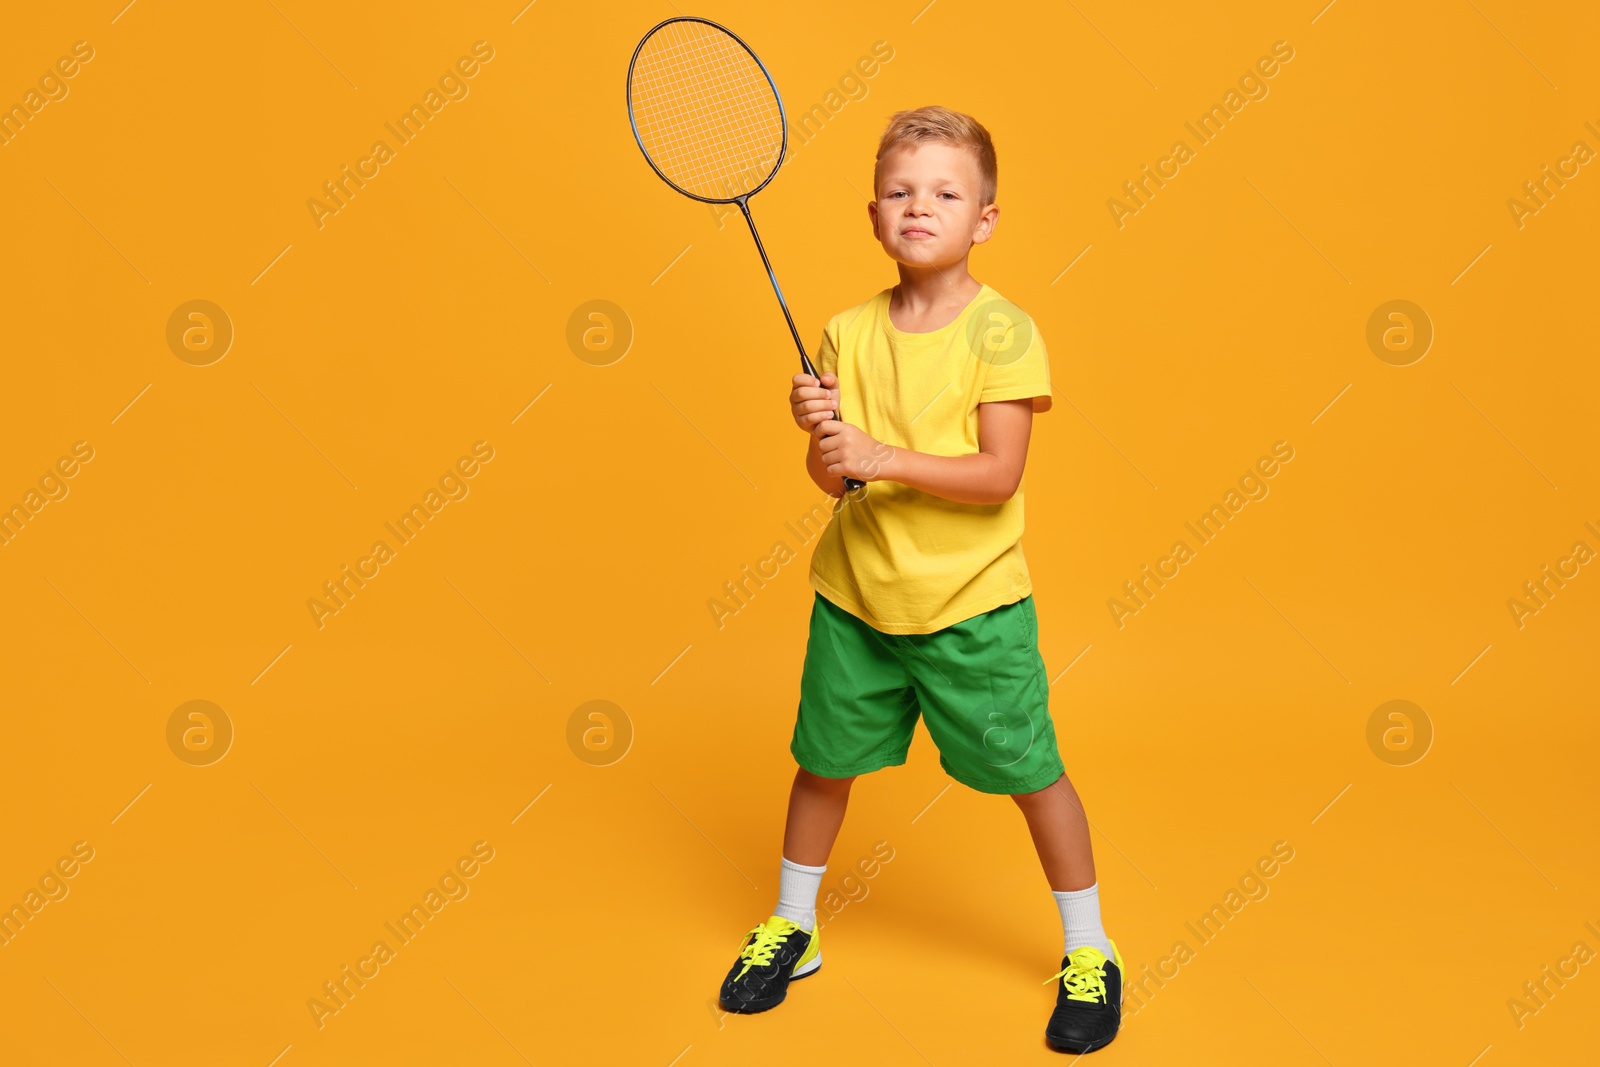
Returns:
(770, 957)
(1089, 1002)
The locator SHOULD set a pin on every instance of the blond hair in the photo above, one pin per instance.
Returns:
(943, 126)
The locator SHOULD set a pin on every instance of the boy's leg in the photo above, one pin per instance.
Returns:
(774, 954)
(816, 811)
(1088, 1011)
(1060, 832)
(985, 698)
(856, 714)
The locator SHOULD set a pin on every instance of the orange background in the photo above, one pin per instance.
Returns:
(431, 712)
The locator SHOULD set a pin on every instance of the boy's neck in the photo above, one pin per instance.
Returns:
(923, 289)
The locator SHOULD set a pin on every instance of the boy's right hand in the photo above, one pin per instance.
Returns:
(814, 403)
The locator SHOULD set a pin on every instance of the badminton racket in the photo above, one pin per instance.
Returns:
(707, 117)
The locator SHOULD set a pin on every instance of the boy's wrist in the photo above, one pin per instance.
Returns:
(884, 465)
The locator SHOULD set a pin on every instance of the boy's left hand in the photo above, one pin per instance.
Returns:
(850, 452)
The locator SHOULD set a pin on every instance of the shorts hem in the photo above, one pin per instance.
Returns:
(1031, 784)
(846, 770)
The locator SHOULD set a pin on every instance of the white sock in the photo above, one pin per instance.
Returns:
(1080, 920)
(797, 893)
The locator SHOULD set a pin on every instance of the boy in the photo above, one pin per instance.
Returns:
(923, 602)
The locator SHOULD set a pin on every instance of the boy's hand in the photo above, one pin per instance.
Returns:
(850, 452)
(812, 403)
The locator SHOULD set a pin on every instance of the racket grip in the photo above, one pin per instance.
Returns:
(806, 365)
(851, 484)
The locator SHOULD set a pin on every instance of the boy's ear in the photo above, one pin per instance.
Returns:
(986, 223)
(872, 216)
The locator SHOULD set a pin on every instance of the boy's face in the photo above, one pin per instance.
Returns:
(928, 212)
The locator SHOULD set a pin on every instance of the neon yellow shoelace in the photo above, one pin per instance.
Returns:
(1084, 978)
(761, 942)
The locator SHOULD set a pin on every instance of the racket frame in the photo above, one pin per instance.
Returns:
(743, 198)
(783, 124)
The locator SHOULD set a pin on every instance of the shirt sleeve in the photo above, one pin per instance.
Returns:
(1027, 375)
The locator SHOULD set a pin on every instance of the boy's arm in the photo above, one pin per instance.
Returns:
(988, 476)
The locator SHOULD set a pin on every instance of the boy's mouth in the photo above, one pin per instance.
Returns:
(915, 231)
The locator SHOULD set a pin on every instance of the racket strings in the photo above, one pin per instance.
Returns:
(706, 113)
(712, 105)
(708, 100)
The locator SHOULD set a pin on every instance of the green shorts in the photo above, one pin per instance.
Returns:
(979, 686)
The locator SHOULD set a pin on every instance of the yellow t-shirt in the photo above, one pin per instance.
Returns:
(902, 560)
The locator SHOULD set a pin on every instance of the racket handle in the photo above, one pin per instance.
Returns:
(805, 365)
(851, 484)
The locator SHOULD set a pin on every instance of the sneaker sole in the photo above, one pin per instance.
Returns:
(1073, 1049)
(804, 972)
